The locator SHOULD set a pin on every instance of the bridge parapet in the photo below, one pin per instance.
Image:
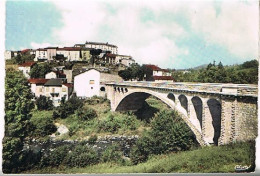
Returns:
(214, 88)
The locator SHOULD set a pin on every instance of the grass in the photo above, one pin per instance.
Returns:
(211, 159)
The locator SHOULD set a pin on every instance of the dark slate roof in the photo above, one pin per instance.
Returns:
(53, 82)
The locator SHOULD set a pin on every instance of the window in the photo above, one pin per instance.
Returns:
(91, 87)
(53, 90)
(47, 89)
(91, 81)
(102, 89)
(40, 89)
(63, 89)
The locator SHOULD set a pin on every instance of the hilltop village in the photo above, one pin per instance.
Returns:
(81, 70)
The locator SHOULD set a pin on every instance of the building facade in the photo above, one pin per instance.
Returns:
(56, 90)
(92, 82)
(102, 46)
(26, 68)
(8, 55)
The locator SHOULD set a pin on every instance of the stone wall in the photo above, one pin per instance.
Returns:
(246, 122)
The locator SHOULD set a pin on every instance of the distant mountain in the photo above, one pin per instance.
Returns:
(195, 68)
(200, 67)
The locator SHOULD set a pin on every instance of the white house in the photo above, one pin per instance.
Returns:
(37, 86)
(26, 68)
(102, 46)
(92, 82)
(9, 55)
(71, 53)
(41, 55)
(56, 90)
(55, 74)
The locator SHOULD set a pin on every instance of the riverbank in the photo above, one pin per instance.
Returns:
(203, 160)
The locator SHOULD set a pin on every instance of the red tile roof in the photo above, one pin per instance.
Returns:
(25, 50)
(27, 64)
(163, 78)
(110, 55)
(37, 80)
(70, 48)
(153, 67)
(68, 84)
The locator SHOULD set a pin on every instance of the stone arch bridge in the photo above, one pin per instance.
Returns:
(216, 113)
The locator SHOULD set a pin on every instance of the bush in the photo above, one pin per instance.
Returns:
(67, 108)
(111, 124)
(96, 100)
(168, 133)
(42, 125)
(112, 154)
(130, 122)
(55, 158)
(44, 103)
(86, 114)
(81, 156)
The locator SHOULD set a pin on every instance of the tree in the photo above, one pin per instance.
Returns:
(18, 105)
(67, 108)
(94, 55)
(39, 70)
(135, 71)
(44, 103)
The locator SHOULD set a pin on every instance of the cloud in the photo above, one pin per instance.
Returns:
(235, 27)
(150, 30)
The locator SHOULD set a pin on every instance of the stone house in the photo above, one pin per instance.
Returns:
(92, 82)
(26, 68)
(56, 90)
(37, 86)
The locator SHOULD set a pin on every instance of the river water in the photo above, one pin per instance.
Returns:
(124, 142)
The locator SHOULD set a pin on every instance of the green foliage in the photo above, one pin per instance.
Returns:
(115, 122)
(42, 124)
(168, 133)
(44, 103)
(81, 156)
(39, 70)
(135, 71)
(22, 58)
(112, 154)
(95, 100)
(54, 158)
(68, 108)
(246, 73)
(86, 113)
(111, 124)
(211, 159)
(18, 105)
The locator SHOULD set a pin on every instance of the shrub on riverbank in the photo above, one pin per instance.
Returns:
(168, 133)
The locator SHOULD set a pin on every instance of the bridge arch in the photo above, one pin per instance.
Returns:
(171, 96)
(184, 101)
(135, 100)
(215, 116)
(198, 108)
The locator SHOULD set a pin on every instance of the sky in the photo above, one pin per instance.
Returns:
(170, 34)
